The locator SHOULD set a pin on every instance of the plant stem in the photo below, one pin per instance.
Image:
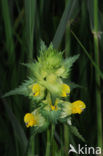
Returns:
(52, 131)
(48, 143)
(52, 139)
(66, 138)
(62, 144)
(32, 146)
(97, 77)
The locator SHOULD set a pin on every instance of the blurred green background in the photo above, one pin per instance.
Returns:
(74, 26)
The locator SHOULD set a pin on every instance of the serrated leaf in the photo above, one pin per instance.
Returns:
(43, 47)
(69, 61)
(21, 90)
(75, 131)
(74, 85)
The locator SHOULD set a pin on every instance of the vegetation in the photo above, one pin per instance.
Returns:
(74, 27)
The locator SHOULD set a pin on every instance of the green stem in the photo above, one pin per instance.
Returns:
(48, 143)
(66, 138)
(52, 139)
(30, 150)
(97, 77)
(52, 131)
(62, 150)
(32, 146)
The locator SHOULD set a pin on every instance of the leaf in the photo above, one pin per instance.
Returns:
(69, 61)
(30, 16)
(8, 30)
(90, 11)
(17, 129)
(75, 131)
(69, 12)
(21, 90)
(68, 64)
(88, 55)
(74, 85)
(43, 47)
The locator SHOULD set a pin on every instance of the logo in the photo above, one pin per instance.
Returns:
(85, 150)
(72, 149)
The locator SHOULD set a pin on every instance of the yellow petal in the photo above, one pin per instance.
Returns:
(78, 106)
(36, 89)
(29, 120)
(53, 107)
(65, 90)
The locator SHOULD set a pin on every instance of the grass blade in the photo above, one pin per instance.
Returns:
(30, 14)
(89, 57)
(97, 77)
(19, 132)
(8, 30)
(67, 17)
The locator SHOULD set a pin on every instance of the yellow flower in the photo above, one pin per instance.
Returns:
(55, 107)
(65, 90)
(35, 89)
(49, 106)
(78, 107)
(29, 120)
(34, 119)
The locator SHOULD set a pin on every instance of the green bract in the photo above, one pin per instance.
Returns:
(46, 88)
